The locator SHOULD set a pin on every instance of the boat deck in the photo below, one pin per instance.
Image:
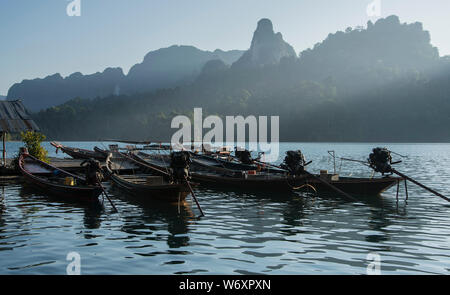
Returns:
(142, 178)
(68, 164)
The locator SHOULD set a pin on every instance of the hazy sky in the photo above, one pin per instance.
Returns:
(38, 38)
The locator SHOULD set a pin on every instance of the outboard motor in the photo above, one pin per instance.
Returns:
(180, 162)
(244, 156)
(294, 162)
(94, 172)
(380, 160)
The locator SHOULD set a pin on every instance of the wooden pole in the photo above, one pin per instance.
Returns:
(141, 162)
(406, 189)
(398, 186)
(106, 195)
(4, 148)
(193, 196)
(421, 185)
(333, 154)
(270, 165)
(352, 160)
(319, 179)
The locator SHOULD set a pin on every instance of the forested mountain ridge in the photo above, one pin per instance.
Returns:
(162, 68)
(52, 90)
(171, 67)
(385, 82)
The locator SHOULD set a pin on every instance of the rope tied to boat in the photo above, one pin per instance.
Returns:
(295, 188)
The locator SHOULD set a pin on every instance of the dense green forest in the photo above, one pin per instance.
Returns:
(384, 82)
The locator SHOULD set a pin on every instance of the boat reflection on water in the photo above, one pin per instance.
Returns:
(299, 210)
(153, 214)
(383, 212)
(2, 200)
(2, 210)
(92, 210)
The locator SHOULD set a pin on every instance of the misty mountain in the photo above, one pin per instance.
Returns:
(267, 47)
(166, 67)
(2, 97)
(385, 49)
(172, 66)
(52, 90)
(384, 82)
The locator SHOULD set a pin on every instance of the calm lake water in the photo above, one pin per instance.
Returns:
(241, 233)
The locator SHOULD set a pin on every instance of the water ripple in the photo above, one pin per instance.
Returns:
(241, 233)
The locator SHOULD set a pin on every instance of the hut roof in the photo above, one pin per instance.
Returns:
(15, 118)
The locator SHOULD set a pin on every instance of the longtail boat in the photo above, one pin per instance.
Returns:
(143, 183)
(102, 152)
(56, 181)
(220, 175)
(294, 163)
(212, 163)
(355, 185)
(250, 180)
(245, 181)
(77, 153)
(224, 164)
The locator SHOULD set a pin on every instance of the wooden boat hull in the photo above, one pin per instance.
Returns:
(171, 193)
(204, 163)
(74, 193)
(81, 154)
(215, 164)
(136, 186)
(357, 186)
(224, 178)
(217, 177)
(250, 183)
(160, 162)
(66, 192)
(101, 152)
(76, 154)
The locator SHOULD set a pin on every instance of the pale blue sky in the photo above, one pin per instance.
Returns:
(38, 38)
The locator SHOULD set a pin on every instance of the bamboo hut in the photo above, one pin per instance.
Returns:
(14, 118)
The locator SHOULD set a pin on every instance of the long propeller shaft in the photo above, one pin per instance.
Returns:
(421, 185)
(320, 180)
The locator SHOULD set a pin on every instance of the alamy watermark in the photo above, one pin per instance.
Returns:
(74, 267)
(374, 266)
(74, 8)
(257, 132)
(374, 8)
